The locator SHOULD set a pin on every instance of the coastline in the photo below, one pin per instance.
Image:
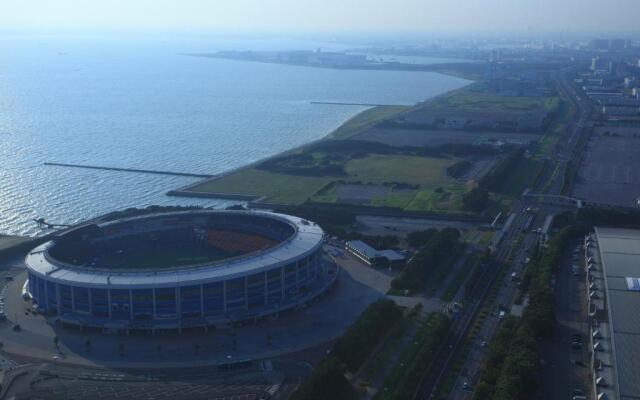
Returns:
(451, 68)
(187, 190)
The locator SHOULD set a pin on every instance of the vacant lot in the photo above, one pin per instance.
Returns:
(360, 194)
(423, 171)
(369, 172)
(273, 187)
(473, 100)
(437, 137)
(610, 170)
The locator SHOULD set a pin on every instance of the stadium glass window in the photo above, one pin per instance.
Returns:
(100, 302)
(213, 298)
(81, 299)
(235, 294)
(142, 302)
(65, 298)
(290, 280)
(256, 289)
(40, 290)
(190, 301)
(120, 304)
(166, 303)
(274, 286)
(302, 273)
(52, 295)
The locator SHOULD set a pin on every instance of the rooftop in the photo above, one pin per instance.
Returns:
(307, 239)
(620, 254)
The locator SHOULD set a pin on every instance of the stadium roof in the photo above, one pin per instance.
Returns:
(620, 254)
(305, 241)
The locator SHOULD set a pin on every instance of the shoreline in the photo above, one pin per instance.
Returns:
(438, 68)
(186, 191)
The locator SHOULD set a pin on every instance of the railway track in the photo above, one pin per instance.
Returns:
(459, 330)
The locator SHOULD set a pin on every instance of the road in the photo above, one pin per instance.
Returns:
(507, 293)
(443, 360)
(553, 183)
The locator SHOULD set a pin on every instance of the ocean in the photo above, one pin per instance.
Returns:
(134, 102)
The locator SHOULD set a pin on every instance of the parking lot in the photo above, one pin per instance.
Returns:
(566, 357)
(610, 170)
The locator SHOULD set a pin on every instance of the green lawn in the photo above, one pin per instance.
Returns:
(448, 198)
(274, 187)
(161, 257)
(423, 171)
(395, 199)
(365, 120)
(476, 100)
(427, 173)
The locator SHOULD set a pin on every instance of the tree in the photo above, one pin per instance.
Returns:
(420, 238)
(326, 383)
(476, 199)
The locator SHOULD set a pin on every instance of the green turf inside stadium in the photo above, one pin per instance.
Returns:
(161, 257)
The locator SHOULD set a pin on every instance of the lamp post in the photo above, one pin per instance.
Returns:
(55, 368)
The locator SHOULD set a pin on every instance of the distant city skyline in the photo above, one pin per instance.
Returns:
(334, 16)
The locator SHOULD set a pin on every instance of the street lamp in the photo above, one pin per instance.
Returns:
(55, 367)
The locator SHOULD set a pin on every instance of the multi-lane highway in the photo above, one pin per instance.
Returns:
(509, 250)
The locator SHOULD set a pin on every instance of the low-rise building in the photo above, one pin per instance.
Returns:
(373, 257)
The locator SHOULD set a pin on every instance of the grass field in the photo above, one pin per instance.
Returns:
(274, 187)
(472, 100)
(435, 189)
(366, 120)
(423, 171)
(444, 198)
(161, 257)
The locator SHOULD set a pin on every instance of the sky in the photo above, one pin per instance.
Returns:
(456, 16)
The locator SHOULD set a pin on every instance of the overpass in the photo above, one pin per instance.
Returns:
(553, 199)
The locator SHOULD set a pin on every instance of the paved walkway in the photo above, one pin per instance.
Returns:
(320, 322)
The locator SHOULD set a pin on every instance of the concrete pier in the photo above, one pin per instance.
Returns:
(137, 170)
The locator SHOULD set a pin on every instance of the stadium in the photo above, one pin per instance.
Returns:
(180, 270)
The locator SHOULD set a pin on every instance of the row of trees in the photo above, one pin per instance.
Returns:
(418, 239)
(403, 383)
(354, 346)
(493, 180)
(476, 200)
(512, 369)
(328, 380)
(428, 260)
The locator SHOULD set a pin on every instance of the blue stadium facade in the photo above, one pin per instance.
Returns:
(271, 263)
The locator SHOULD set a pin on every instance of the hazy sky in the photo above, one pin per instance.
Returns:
(322, 15)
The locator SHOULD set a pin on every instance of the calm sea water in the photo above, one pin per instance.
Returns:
(134, 102)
